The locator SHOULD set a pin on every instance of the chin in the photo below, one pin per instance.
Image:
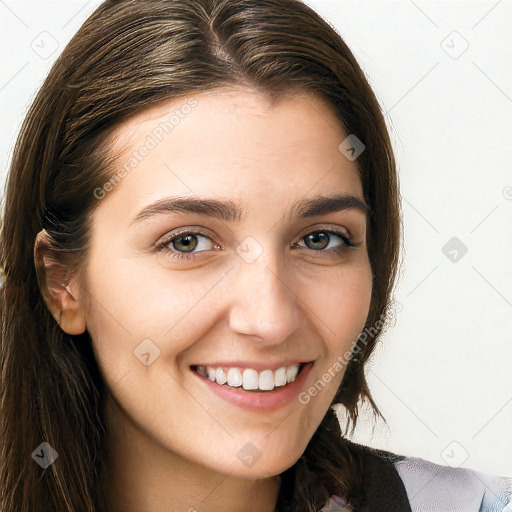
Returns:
(254, 468)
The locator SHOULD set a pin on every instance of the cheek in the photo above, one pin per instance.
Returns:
(341, 308)
(140, 299)
(342, 301)
(130, 304)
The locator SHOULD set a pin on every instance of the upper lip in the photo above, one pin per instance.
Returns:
(259, 367)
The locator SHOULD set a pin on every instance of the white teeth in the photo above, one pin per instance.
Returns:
(280, 377)
(234, 377)
(248, 378)
(220, 376)
(291, 372)
(266, 382)
(210, 371)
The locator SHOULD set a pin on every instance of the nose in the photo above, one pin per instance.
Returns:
(263, 304)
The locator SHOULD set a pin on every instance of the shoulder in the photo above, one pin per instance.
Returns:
(397, 483)
(433, 488)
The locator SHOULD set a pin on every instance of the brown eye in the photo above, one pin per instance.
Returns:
(317, 241)
(185, 243)
(326, 241)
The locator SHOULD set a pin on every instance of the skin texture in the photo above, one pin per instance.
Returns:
(173, 442)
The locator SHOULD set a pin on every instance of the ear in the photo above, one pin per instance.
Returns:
(59, 290)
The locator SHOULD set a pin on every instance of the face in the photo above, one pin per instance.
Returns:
(211, 253)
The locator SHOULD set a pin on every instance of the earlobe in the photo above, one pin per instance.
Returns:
(71, 317)
(57, 287)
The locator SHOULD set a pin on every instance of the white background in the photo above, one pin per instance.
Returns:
(441, 70)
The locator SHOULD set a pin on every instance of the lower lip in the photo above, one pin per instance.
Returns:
(262, 400)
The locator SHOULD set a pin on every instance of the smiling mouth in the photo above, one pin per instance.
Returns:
(248, 379)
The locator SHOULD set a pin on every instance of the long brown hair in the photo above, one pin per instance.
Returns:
(128, 56)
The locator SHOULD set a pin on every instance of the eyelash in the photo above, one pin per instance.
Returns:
(163, 246)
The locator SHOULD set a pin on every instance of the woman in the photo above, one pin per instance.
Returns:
(200, 239)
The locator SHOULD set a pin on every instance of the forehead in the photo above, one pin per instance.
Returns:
(231, 141)
(234, 121)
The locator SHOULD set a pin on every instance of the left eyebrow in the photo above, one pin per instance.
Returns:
(322, 205)
(229, 211)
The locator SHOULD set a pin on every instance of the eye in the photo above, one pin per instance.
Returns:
(185, 244)
(326, 241)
